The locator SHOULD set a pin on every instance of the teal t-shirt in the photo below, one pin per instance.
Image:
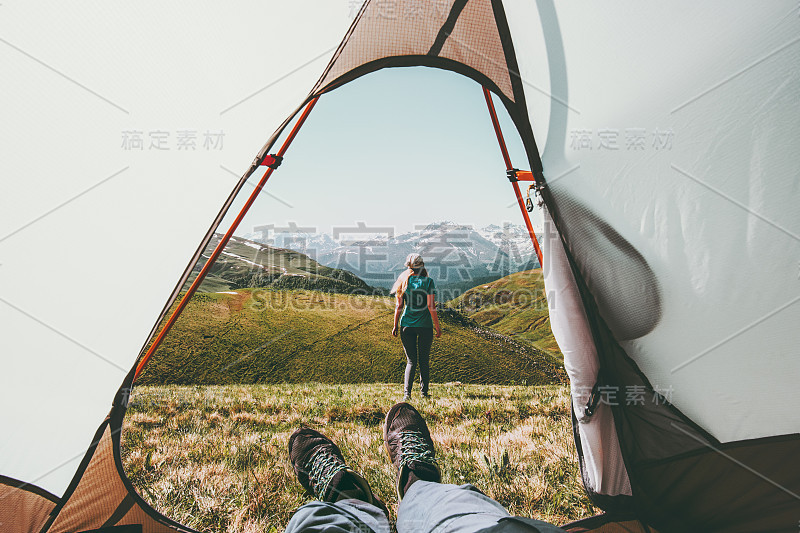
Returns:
(415, 312)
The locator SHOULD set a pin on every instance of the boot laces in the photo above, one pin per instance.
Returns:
(413, 447)
(321, 468)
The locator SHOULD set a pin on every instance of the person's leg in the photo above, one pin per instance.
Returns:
(423, 356)
(408, 336)
(348, 503)
(344, 516)
(442, 507)
(430, 506)
(410, 447)
(427, 505)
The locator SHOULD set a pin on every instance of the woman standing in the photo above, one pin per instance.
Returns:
(417, 303)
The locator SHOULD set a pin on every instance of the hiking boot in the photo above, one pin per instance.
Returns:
(410, 447)
(321, 469)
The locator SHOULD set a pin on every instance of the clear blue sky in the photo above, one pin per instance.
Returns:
(399, 147)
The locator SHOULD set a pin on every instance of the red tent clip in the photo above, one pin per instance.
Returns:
(272, 161)
(514, 175)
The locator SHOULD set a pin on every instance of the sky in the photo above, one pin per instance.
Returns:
(399, 148)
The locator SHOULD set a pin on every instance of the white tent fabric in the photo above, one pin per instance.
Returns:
(679, 136)
(81, 287)
(675, 124)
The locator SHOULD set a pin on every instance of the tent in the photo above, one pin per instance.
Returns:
(661, 140)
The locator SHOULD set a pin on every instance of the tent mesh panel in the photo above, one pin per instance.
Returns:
(465, 32)
(101, 498)
(22, 510)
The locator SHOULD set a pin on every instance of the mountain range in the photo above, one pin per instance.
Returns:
(457, 256)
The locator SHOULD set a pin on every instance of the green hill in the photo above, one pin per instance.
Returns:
(515, 306)
(274, 336)
(248, 264)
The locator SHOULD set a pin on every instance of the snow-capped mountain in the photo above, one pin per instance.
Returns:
(511, 237)
(457, 256)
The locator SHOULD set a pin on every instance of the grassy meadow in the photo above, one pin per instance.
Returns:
(265, 335)
(205, 437)
(215, 459)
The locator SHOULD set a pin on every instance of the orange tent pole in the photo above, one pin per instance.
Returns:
(222, 243)
(512, 171)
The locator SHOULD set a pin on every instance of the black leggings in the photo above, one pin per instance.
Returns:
(417, 345)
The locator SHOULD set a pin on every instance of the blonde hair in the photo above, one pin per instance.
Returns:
(415, 266)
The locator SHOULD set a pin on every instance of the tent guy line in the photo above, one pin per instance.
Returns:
(736, 202)
(64, 335)
(53, 210)
(734, 335)
(735, 75)
(270, 84)
(733, 460)
(53, 69)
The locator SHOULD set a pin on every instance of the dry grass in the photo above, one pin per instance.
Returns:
(214, 457)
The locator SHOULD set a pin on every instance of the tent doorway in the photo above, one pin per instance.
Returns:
(191, 425)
